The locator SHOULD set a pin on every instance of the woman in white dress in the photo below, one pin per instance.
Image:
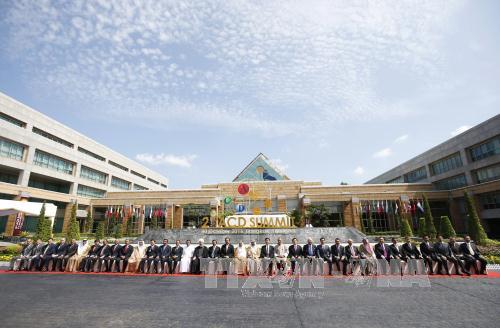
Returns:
(187, 256)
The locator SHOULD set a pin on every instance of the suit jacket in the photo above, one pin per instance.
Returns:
(152, 251)
(379, 251)
(115, 250)
(94, 250)
(323, 252)
(28, 249)
(410, 251)
(126, 251)
(105, 251)
(227, 250)
(72, 249)
(292, 252)
(348, 253)
(61, 249)
(165, 251)
(201, 251)
(177, 251)
(427, 251)
(455, 249)
(49, 249)
(214, 253)
(465, 249)
(309, 250)
(337, 252)
(442, 249)
(265, 253)
(395, 251)
(38, 250)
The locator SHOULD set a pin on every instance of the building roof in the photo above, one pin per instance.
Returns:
(260, 169)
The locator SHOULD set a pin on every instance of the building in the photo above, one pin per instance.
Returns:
(44, 160)
(470, 159)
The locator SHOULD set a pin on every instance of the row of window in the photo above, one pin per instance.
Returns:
(93, 175)
(12, 120)
(11, 149)
(446, 164)
(485, 150)
(490, 201)
(416, 175)
(120, 183)
(486, 174)
(454, 182)
(87, 191)
(52, 162)
(52, 137)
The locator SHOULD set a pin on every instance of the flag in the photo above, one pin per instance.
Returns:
(419, 205)
(396, 207)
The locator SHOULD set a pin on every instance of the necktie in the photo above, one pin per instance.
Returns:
(352, 251)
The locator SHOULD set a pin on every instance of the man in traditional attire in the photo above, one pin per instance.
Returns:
(124, 254)
(104, 253)
(18, 263)
(165, 260)
(253, 255)
(58, 257)
(471, 255)
(112, 258)
(137, 256)
(88, 262)
(366, 254)
(70, 252)
(177, 252)
(187, 256)
(294, 253)
(281, 254)
(48, 254)
(36, 257)
(200, 252)
(338, 256)
(240, 256)
(75, 260)
(150, 258)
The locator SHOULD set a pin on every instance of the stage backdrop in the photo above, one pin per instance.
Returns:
(258, 221)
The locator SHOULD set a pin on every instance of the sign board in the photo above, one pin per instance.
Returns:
(258, 221)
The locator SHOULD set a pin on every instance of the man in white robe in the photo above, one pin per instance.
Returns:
(137, 255)
(187, 256)
(253, 255)
(240, 254)
(281, 254)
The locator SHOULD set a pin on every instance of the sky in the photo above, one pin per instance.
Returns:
(330, 91)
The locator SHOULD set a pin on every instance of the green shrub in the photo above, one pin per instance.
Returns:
(446, 228)
(118, 231)
(405, 228)
(430, 229)
(475, 228)
(44, 226)
(421, 227)
(12, 250)
(99, 234)
(74, 228)
(89, 221)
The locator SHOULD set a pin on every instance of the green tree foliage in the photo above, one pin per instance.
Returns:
(318, 215)
(73, 231)
(446, 228)
(44, 226)
(421, 227)
(405, 228)
(154, 223)
(99, 234)
(89, 222)
(118, 231)
(298, 219)
(430, 229)
(130, 226)
(474, 226)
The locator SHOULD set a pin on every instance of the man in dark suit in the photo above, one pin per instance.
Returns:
(309, 249)
(58, 257)
(113, 256)
(444, 250)
(124, 255)
(351, 254)
(382, 250)
(71, 250)
(48, 254)
(227, 250)
(151, 257)
(471, 255)
(428, 253)
(165, 252)
(214, 250)
(200, 252)
(176, 256)
(395, 250)
(18, 263)
(36, 258)
(294, 253)
(338, 256)
(104, 253)
(267, 252)
(323, 252)
(409, 251)
(88, 262)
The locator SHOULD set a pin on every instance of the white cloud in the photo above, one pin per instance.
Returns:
(166, 159)
(359, 170)
(386, 152)
(401, 139)
(459, 130)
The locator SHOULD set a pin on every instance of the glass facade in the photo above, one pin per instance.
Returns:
(12, 120)
(121, 167)
(446, 164)
(120, 183)
(53, 162)
(11, 149)
(93, 175)
(139, 187)
(52, 137)
(91, 154)
(137, 174)
(87, 191)
(486, 149)
(153, 181)
(8, 177)
(486, 174)
(451, 183)
(490, 201)
(416, 175)
(399, 179)
(49, 185)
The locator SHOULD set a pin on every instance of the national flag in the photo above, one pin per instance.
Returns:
(419, 205)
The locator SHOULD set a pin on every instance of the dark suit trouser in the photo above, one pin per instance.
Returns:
(428, 260)
(471, 260)
(65, 261)
(123, 263)
(109, 260)
(57, 263)
(293, 263)
(89, 263)
(168, 261)
(458, 263)
(46, 261)
(337, 262)
(174, 265)
(442, 261)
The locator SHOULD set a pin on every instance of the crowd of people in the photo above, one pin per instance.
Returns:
(268, 259)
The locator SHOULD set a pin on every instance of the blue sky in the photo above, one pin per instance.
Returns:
(331, 91)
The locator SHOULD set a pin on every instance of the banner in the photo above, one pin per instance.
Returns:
(258, 221)
(18, 224)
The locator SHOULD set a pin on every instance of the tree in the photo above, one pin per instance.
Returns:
(430, 229)
(44, 226)
(421, 227)
(118, 231)
(99, 234)
(298, 219)
(474, 226)
(73, 231)
(130, 226)
(89, 222)
(318, 215)
(446, 228)
(405, 228)
(154, 223)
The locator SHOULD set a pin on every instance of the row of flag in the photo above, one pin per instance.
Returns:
(391, 207)
(151, 211)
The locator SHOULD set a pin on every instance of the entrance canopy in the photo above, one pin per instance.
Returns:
(8, 207)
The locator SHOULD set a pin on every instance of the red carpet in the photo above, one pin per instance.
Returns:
(489, 275)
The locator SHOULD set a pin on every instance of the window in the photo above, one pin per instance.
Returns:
(11, 149)
(486, 149)
(396, 180)
(487, 173)
(137, 174)
(52, 137)
(121, 167)
(416, 175)
(446, 164)
(87, 191)
(12, 120)
(93, 175)
(139, 187)
(91, 154)
(52, 162)
(153, 181)
(8, 177)
(120, 183)
(451, 183)
(164, 186)
(49, 185)
(490, 201)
